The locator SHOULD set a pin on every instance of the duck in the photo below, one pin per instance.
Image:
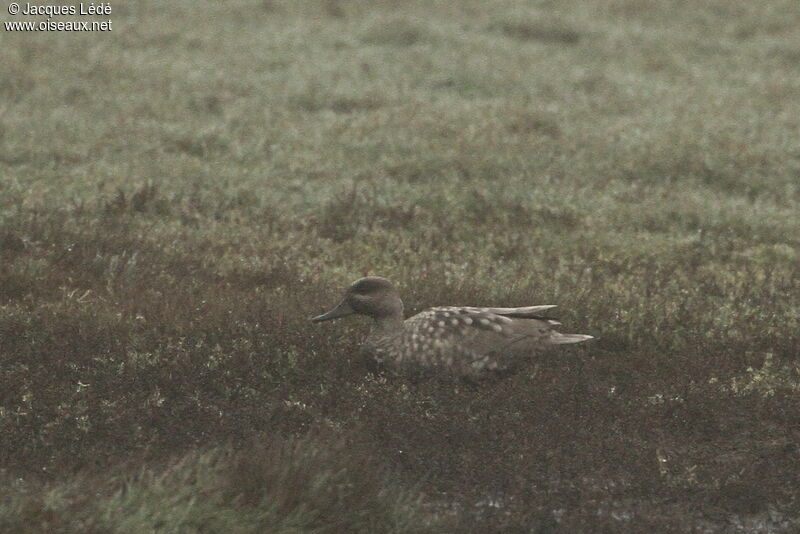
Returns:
(464, 341)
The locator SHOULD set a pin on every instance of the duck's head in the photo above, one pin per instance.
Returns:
(372, 296)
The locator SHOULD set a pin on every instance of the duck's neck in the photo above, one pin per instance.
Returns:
(387, 317)
(384, 334)
(387, 325)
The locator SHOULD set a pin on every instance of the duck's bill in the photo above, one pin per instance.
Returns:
(342, 309)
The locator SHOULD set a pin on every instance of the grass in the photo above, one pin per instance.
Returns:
(290, 486)
(177, 197)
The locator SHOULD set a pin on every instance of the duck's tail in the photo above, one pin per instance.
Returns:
(561, 339)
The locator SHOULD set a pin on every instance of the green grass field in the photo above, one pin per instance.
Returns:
(179, 195)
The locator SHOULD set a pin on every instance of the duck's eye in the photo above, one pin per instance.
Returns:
(362, 291)
(365, 287)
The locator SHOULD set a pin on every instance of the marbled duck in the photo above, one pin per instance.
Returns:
(461, 340)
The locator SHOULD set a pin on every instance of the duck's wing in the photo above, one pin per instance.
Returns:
(525, 312)
(480, 337)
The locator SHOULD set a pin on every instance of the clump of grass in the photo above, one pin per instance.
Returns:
(282, 486)
(545, 31)
(314, 101)
(396, 32)
(335, 9)
(350, 212)
(533, 123)
(197, 144)
(11, 243)
(144, 198)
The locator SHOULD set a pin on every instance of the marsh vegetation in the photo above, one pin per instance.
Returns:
(178, 196)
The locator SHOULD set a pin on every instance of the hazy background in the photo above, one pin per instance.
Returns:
(179, 195)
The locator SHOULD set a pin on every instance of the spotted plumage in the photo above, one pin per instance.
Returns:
(457, 339)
